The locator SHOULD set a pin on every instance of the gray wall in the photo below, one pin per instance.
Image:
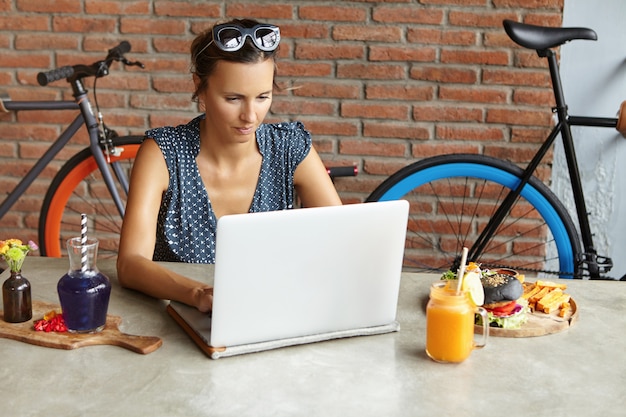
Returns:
(594, 78)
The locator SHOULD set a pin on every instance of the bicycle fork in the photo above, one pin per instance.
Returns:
(94, 144)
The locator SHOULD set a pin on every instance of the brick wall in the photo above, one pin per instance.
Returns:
(381, 83)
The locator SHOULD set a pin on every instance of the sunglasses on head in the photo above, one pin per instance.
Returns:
(230, 38)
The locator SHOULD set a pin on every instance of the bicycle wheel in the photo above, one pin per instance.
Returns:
(79, 188)
(453, 197)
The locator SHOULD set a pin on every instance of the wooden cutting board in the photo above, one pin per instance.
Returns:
(110, 335)
(538, 324)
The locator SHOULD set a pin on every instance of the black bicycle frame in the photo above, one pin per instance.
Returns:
(590, 257)
(85, 117)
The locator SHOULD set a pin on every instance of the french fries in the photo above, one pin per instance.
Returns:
(547, 297)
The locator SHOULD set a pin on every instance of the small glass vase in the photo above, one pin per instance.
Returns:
(16, 298)
(84, 291)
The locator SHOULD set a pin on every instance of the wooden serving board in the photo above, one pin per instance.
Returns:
(110, 335)
(538, 324)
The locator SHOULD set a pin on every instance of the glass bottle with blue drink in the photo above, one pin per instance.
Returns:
(84, 291)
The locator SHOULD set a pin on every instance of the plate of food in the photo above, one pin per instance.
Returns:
(519, 308)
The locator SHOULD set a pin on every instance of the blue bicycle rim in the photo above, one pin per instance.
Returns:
(530, 193)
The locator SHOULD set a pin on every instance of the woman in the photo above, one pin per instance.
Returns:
(225, 161)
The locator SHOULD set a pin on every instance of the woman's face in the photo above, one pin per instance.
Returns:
(237, 98)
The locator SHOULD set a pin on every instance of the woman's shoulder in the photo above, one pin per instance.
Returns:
(283, 134)
(284, 140)
(282, 128)
(174, 135)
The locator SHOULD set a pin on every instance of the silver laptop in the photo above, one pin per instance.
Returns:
(299, 276)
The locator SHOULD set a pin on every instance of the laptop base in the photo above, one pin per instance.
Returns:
(216, 353)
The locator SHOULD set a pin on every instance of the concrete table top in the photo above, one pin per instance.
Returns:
(578, 372)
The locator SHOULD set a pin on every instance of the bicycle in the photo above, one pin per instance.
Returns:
(503, 213)
(77, 187)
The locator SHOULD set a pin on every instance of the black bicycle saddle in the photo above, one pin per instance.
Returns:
(542, 37)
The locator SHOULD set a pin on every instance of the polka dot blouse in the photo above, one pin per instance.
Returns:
(186, 224)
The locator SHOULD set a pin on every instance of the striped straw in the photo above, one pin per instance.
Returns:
(83, 242)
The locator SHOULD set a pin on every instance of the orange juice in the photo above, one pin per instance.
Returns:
(450, 325)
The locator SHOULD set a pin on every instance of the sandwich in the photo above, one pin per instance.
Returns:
(506, 308)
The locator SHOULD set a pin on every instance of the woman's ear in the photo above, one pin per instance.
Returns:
(196, 80)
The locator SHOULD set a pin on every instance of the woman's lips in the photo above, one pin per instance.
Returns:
(245, 130)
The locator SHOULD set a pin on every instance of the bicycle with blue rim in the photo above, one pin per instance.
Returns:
(503, 213)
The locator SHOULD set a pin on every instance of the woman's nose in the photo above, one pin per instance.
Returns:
(248, 112)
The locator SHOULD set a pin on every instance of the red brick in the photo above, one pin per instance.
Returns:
(519, 117)
(332, 127)
(259, 11)
(529, 134)
(534, 97)
(83, 24)
(365, 147)
(441, 37)
(419, 15)
(332, 13)
(444, 74)
(480, 18)
(101, 45)
(117, 7)
(473, 94)
(425, 150)
(49, 6)
(446, 113)
(152, 26)
(367, 33)
(179, 46)
(473, 56)
(295, 69)
(401, 92)
(304, 30)
(556, 5)
(395, 130)
(511, 77)
(301, 107)
(383, 167)
(22, 131)
(25, 23)
(327, 89)
(186, 9)
(390, 53)
(156, 102)
(515, 154)
(318, 51)
(371, 71)
(24, 60)
(125, 81)
(48, 41)
(480, 132)
(375, 111)
(170, 84)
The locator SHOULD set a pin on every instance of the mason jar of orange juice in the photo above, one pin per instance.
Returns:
(450, 324)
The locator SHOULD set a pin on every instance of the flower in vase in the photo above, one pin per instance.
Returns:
(13, 251)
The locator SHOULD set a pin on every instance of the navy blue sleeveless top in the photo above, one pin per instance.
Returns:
(187, 224)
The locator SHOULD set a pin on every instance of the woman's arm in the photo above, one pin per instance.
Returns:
(313, 184)
(135, 268)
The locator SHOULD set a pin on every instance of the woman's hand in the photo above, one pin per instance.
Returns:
(204, 299)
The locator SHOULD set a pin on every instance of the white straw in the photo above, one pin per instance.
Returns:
(461, 272)
(83, 242)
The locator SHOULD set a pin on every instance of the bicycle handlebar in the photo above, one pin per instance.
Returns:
(97, 69)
